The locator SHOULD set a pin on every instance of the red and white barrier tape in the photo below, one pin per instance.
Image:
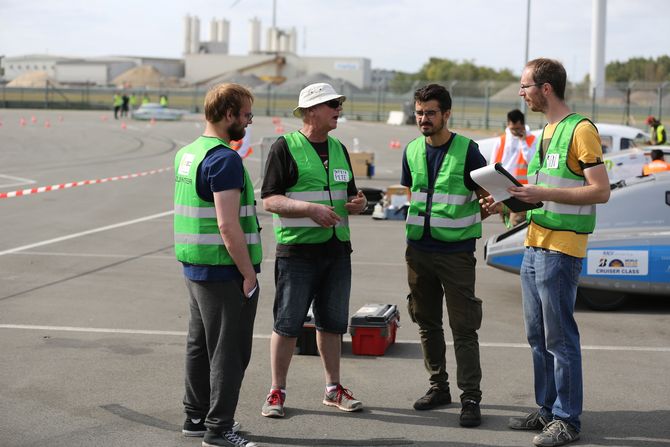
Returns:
(25, 192)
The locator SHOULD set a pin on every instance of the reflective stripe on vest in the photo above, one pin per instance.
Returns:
(560, 216)
(452, 210)
(197, 236)
(212, 239)
(315, 184)
(196, 211)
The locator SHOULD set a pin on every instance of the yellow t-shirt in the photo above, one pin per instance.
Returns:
(587, 149)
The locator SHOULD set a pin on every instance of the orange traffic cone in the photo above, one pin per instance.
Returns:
(152, 121)
(123, 126)
(279, 129)
(47, 124)
(33, 119)
(22, 122)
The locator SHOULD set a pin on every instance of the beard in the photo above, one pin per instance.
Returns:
(539, 104)
(236, 131)
(432, 129)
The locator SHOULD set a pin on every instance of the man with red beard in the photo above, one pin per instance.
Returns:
(443, 224)
(309, 187)
(217, 239)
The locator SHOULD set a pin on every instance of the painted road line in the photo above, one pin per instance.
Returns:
(84, 233)
(267, 336)
(41, 189)
(18, 181)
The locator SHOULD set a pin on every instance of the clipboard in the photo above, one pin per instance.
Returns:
(496, 179)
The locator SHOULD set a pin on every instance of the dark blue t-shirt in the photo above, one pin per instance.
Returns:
(220, 170)
(434, 158)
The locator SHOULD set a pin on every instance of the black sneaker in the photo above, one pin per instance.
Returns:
(532, 421)
(470, 416)
(226, 439)
(556, 433)
(195, 428)
(433, 398)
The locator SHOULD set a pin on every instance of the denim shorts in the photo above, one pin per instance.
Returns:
(323, 282)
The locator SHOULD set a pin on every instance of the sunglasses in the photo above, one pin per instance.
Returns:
(334, 103)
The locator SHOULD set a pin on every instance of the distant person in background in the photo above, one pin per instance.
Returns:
(117, 102)
(124, 105)
(658, 134)
(133, 102)
(145, 99)
(514, 149)
(658, 163)
(163, 101)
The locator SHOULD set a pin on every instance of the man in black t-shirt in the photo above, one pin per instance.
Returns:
(443, 223)
(310, 188)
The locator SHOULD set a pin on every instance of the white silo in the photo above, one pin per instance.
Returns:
(224, 31)
(254, 36)
(187, 34)
(195, 35)
(213, 30)
(272, 39)
(283, 41)
(293, 41)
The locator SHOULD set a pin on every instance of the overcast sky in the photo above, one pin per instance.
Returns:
(394, 34)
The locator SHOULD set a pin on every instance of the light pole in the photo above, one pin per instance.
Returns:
(525, 60)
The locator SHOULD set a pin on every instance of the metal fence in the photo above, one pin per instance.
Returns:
(480, 104)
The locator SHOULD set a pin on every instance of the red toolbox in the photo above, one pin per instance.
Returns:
(373, 328)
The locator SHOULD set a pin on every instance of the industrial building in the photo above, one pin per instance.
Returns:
(204, 61)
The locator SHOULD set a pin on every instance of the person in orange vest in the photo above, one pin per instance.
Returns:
(513, 151)
(658, 163)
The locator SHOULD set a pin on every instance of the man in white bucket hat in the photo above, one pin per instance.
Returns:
(309, 187)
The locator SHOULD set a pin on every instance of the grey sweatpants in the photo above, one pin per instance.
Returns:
(218, 350)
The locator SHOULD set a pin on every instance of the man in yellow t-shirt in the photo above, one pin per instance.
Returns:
(568, 175)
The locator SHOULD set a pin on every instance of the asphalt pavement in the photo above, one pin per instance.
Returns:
(93, 310)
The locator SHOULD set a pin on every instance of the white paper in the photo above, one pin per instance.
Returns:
(493, 181)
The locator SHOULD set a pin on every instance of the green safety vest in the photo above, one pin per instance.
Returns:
(659, 135)
(552, 171)
(197, 238)
(317, 185)
(452, 210)
(118, 100)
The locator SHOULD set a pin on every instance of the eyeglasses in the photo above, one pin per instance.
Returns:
(334, 103)
(524, 87)
(249, 116)
(430, 114)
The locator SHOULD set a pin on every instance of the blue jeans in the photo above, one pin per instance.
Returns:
(300, 281)
(549, 287)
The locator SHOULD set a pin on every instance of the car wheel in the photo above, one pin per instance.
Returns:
(601, 299)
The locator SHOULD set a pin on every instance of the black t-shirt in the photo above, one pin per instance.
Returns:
(434, 158)
(281, 173)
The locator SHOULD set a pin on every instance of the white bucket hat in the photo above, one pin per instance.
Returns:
(315, 94)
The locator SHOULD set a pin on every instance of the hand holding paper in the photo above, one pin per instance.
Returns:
(497, 181)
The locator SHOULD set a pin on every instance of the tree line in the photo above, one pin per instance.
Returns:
(438, 69)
